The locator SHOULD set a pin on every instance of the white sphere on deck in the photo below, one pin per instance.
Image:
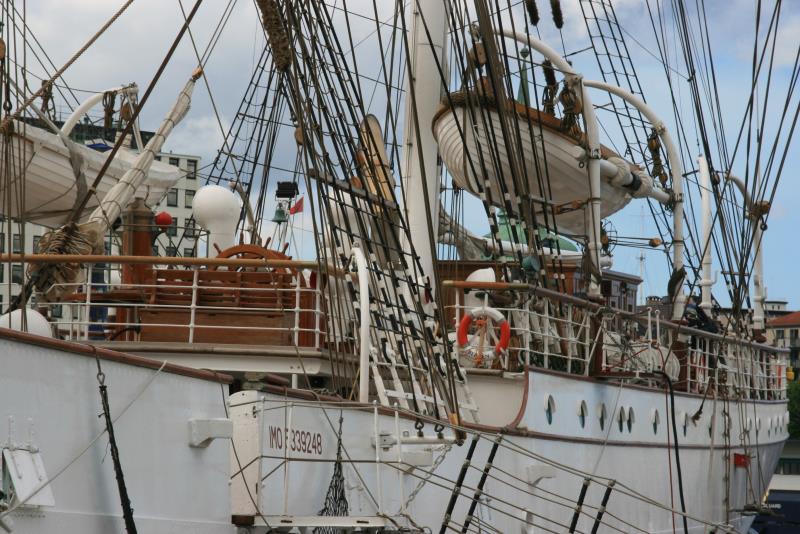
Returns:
(216, 209)
(36, 322)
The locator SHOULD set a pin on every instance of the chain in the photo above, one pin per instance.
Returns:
(429, 474)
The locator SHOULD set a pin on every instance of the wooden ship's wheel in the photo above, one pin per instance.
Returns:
(254, 252)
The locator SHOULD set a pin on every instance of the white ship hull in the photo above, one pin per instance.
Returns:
(50, 403)
(640, 460)
(287, 439)
(464, 144)
(50, 189)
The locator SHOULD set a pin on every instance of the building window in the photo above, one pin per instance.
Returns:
(156, 252)
(2, 272)
(36, 240)
(779, 334)
(2, 242)
(187, 198)
(16, 274)
(188, 252)
(172, 197)
(16, 244)
(605, 288)
(191, 169)
(158, 158)
(172, 231)
(189, 228)
(174, 161)
(793, 333)
(57, 311)
(171, 251)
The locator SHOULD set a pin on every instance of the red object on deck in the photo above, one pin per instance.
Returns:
(741, 460)
(163, 220)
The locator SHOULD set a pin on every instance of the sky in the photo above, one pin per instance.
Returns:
(134, 46)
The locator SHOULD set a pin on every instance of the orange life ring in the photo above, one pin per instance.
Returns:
(496, 316)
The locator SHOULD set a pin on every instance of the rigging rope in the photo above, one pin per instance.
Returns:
(66, 65)
(125, 501)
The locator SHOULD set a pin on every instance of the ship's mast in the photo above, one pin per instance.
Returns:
(640, 296)
(705, 195)
(423, 91)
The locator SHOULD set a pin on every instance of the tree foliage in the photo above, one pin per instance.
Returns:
(794, 410)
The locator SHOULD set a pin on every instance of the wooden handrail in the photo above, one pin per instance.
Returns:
(498, 286)
(159, 260)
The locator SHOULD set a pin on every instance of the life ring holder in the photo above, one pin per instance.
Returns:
(491, 313)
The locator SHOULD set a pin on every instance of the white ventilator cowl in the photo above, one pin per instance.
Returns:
(472, 299)
(36, 322)
(216, 209)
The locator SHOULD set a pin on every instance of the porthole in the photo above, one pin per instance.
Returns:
(655, 419)
(630, 419)
(549, 408)
(758, 425)
(601, 415)
(621, 418)
(583, 410)
(684, 419)
(748, 425)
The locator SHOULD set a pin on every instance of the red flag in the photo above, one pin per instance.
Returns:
(297, 208)
(741, 460)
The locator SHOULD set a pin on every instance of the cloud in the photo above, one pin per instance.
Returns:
(199, 136)
(134, 46)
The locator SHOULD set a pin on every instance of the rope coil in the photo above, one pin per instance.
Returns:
(276, 32)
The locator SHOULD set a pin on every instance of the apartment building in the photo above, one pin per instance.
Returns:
(784, 332)
(181, 238)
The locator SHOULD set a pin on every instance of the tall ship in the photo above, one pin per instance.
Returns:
(405, 314)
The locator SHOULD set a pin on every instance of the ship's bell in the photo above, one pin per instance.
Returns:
(280, 215)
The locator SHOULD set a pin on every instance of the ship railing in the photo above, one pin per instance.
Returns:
(86, 314)
(195, 307)
(561, 332)
(540, 337)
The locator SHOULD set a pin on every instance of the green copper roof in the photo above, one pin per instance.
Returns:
(548, 238)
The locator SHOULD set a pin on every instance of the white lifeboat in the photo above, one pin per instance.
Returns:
(469, 134)
(50, 188)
